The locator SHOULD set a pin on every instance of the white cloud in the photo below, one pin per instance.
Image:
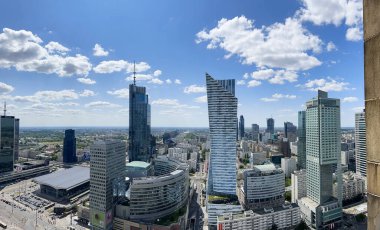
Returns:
(5, 88)
(87, 93)
(101, 104)
(326, 85)
(140, 77)
(354, 34)
(172, 103)
(120, 65)
(254, 83)
(246, 76)
(194, 89)
(23, 50)
(285, 45)
(240, 82)
(177, 81)
(99, 51)
(358, 109)
(157, 73)
(168, 81)
(277, 97)
(55, 47)
(201, 99)
(122, 93)
(86, 81)
(331, 46)
(275, 76)
(323, 12)
(350, 99)
(156, 81)
(50, 95)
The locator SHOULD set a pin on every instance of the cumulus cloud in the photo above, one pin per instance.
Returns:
(201, 99)
(285, 45)
(337, 12)
(331, 46)
(358, 109)
(172, 103)
(253, 83)
(24, 51)
(120, 65)
(87, 93)
(177, 81)
(350, 99)
(86, 81)
(5, 88)
(99, 51)
(240, 82)
(140, 77)
(157, 73)
(277, 97)
(326, 85)
(101, 104)
(50, 95)
(168, 81)
(194, 89)
(156, 81)
(122, 93)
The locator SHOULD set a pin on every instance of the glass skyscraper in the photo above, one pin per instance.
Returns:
(301, 144)
(255, 132)
(7, 143)
(270, 125)
(69, 147)
(241, 127)
(139, 124)
(290, 131)
(222, 113)
(360, 144)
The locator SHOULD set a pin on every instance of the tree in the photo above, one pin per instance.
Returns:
(274, 227)
(302, 226)
(288, 196)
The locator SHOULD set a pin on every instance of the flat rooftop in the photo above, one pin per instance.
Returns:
(138, 164)
(65, 179)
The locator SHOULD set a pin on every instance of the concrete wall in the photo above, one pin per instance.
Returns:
(372, 105)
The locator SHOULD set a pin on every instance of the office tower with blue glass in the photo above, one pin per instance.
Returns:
(270, 126)
(320, 208)
(241, 128)
(301, 144)
(139, 141)
(360, 144)
(290, 131)
(255, 132)
(69, 154)
(7, 142)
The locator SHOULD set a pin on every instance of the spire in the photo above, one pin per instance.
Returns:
(134, 73)
(5, 108)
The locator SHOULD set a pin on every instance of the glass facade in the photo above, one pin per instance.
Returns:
(69, 147)
(301, 144)
(241, 127)
(255, 132)
(270, 125)
(222, 113)
(139, 125)
(7, 143)
(360, 144)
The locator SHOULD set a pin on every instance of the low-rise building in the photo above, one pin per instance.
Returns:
(353, 186)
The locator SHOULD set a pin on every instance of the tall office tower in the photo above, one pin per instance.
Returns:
(290, 131)
(17, 139)
(139, 125)
(255, 132)
(301, 144)
(321, 209)
(222, 114)
(270, 125)
(360, 144)
(69, 147)
(241, 127)
(7, 142)
(107, 167)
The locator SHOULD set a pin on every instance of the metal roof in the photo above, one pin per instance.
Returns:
(65, 179)
(139, 164)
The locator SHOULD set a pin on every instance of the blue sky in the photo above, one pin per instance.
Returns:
(69, 63)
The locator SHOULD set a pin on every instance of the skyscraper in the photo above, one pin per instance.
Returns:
(360, 144)
(241, 127)
(222, 113)
(7, 142)
(139, 124)
(290, 131)
(69, 147)
(107, 166)
(322, 152)
(301, 144)
(17, 138)
(270, 125)
(255, 132)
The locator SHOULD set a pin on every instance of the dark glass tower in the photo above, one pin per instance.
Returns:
(270, 125)
(139, 125)
(301, 144)
(7, 143)
(255, 132)
(69, 147)
(290, 131)
(241, 127)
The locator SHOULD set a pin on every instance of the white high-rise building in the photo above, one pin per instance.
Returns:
(320, 208)
(298, 185)
(360, 144)
(288, 165)
(222, 113)
(107, 167)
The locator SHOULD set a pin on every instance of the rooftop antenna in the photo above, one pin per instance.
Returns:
(5, 108)
(134, 73)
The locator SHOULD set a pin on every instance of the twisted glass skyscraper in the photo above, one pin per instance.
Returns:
(222, 113)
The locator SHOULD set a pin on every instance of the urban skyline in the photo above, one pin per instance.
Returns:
(98, 82)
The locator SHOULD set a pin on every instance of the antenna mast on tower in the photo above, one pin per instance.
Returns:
(5, 108)
(134, 73)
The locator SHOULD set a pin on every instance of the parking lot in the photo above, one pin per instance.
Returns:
(32, 201)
